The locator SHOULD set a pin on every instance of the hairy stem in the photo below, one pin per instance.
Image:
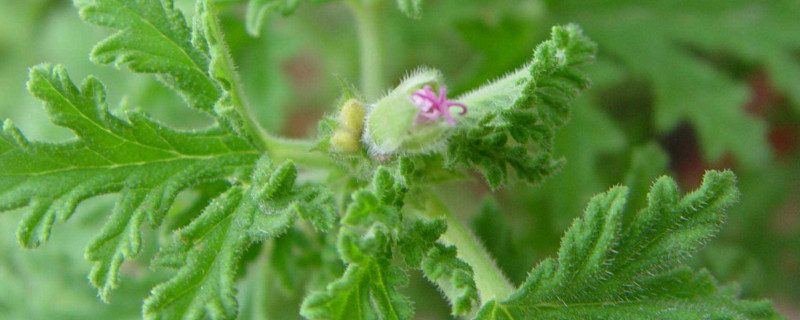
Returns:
(252, 127)
(279, 149)
(369, 46)
(298, 151)
(491, 282)
(227, 68)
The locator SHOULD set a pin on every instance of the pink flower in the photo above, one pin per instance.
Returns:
(433, 107)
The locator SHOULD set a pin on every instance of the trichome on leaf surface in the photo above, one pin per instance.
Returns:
(346, 220)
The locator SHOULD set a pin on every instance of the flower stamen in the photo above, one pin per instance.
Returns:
(433, 107)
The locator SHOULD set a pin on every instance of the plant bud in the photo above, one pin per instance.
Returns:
(407, 120)
(351, 125)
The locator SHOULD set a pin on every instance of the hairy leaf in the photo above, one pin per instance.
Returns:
(439, 263)
(419, 238)
(208, 249)
(609, 269)
(371, 230)
(152, 36)
(614, 263)
(367, 290)
(222, 70)
(521, 111)
(146, 162)
(369, 287)
(453, 276)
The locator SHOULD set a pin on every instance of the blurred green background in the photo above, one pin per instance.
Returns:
(679, 87)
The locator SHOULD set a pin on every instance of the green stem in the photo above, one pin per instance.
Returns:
(491, 282)
(298, 151)
(252, 127)
(223, 68)
(279, 149)
(369, 45)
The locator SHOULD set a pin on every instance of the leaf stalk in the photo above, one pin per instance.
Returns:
(489, 279)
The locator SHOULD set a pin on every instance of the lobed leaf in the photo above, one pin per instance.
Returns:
(366, 291)
(454, 276)
(610, 269)
(144, 161)
(207, 251)
(373, 229)
(515, 117)
(369, 287)
(152, 36)
(439, 263)
(222, 70)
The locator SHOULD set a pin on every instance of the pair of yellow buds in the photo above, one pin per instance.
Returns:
(347, 137)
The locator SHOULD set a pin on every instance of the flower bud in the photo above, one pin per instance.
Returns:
(347, 136)
(407, 120)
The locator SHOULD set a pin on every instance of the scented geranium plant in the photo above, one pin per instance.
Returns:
(345, 219)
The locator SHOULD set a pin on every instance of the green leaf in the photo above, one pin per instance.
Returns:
(367, 290)
(647, 163)
(372, 230)
(369, 287)
(439, 263)
(222, 70)
(207, 251)
(152, 36)
(147, 163)
(419, 238)
(609, 269)
(453, 276)
(521, 111)
(299, 262)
